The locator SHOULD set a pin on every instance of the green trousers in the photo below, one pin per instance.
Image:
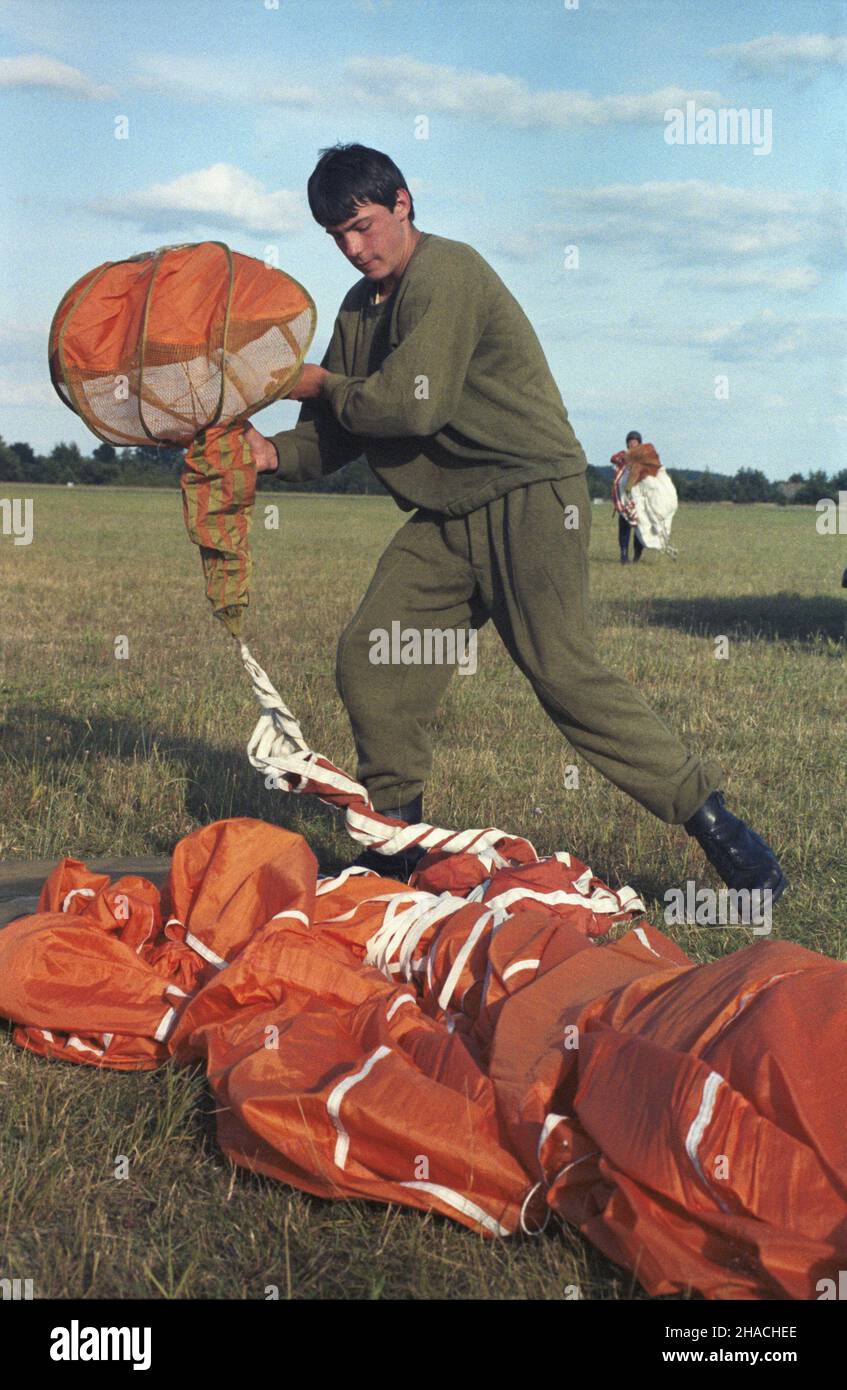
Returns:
(516, 562)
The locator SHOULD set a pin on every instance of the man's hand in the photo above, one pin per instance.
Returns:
(309, 383)
(264, 454)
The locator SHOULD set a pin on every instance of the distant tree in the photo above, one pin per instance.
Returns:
(47, 470)
(838, 483)
(151, 454)
(63, 463)
(66, 455)
(355, 477)
(816, 486)
(710, 487)
(597, 484)
(682, 485)
(751, 485)
(10, 466)
(105, 453)
(26, 456)
(94, 470)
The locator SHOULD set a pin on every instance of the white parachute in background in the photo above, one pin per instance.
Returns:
(642, 491)
(656, 502)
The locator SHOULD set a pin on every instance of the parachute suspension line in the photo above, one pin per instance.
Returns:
(192, 393)
(278, 749)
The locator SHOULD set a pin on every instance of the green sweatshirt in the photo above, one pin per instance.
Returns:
(443, 386)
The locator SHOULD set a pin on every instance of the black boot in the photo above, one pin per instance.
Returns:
(396, 865)
(740, 856)
(624, 558)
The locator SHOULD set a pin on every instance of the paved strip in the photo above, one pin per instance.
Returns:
(21, 880)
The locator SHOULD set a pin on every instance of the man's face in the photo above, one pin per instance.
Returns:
(631, 442)
(372, 240)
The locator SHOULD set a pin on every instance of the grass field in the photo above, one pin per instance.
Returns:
(106, 756)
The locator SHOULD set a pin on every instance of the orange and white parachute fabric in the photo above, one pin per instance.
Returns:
(179, 346)
(465, 1044)
(643, 491)
(498, 1040)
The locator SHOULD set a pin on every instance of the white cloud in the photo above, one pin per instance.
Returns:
(195, 78)
(635, 400)
(805, 54)
(454, 193)
(405, 84)
(20, 338)
(695, 221)
(288, 94)
(515, 246)
(221, 196)
(793, 280)
(41, 22)
(17, 333)
(25, 389)
(771, 336)
(38, 71)
(763, 337)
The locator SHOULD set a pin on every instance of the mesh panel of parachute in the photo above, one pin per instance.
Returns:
(176, 347)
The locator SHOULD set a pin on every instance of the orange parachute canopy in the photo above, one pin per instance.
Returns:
(466, 1044)
(157, 348)
(176, 347)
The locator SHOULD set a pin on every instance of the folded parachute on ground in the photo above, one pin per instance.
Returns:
(177, 347)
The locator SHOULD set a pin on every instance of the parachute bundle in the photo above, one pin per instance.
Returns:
(175, 348)
(157, 348)
(643, 492)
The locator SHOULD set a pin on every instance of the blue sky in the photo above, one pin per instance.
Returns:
(546, 130)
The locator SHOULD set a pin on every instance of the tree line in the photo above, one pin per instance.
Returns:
(148, 466)
(145, 466)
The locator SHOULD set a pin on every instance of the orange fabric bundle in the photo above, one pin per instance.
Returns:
(473, 1043)
(177, 347)
(642, 461)
(218, 491)
(156, 348)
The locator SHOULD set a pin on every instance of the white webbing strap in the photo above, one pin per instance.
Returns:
(279, 751)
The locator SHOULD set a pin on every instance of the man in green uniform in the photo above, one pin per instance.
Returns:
(436, 375)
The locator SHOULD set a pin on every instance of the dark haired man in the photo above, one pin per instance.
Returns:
(435, 373)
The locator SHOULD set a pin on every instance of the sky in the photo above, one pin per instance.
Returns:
(704, 304)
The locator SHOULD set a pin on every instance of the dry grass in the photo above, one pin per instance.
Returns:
(106, 756)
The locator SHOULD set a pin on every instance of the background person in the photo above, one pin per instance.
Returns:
(624, 506)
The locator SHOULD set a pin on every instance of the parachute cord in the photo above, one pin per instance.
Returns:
(279, 749)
